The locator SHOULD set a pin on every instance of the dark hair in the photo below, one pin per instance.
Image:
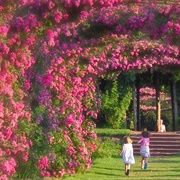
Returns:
(145, 134)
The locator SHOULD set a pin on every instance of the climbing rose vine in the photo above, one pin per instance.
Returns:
(52, 54)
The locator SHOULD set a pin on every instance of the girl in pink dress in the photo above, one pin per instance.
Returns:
(127, 154)
(144, 149)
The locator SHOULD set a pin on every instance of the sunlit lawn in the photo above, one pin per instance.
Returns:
(109, 166)
(113, 169)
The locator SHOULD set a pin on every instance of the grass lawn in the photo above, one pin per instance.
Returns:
(167, 167)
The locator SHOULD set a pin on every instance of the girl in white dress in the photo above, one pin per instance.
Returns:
(127, 154)
(162, 127)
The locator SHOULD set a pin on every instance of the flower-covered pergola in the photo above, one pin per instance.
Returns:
(52, 54)
(156, 97)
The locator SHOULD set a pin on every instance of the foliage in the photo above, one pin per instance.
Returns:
(107, 149)
(176, 75)
(116, 101)
(50, 64)
(148, 120)
(110, 105)
(106, 146)
(112, 132)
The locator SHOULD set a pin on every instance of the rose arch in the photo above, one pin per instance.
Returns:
(52, 54)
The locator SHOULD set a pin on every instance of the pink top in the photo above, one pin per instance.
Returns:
(144, 141)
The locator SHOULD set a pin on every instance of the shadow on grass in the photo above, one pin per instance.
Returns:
(111, 168)
(163, 160)
(116, 156)
(108, 174)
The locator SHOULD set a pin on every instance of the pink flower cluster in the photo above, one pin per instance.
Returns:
(27, 24)
(43, 163)
(147, 108)
(148, 99)
(8, 168)
(4, 30)
(148, 91)
(136, 22)
(106, 17)
(106, 3)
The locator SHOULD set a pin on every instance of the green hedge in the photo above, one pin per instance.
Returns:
(112, 132)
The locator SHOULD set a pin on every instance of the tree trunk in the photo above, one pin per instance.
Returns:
(174, 105)
(135, 108)
(138, 103)
(158, 114)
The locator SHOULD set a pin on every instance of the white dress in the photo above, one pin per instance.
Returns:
(127, 155)
(144, 149)
(163, 128)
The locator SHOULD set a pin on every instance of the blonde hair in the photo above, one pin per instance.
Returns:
(127, 139)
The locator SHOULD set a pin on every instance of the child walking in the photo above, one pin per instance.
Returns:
(144, 149)
(127, 154)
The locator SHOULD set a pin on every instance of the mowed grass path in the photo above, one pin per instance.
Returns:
(166, 167)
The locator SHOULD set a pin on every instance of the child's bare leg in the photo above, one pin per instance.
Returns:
(142, 162)
(126, 166)
(127, 169)
(146, 160)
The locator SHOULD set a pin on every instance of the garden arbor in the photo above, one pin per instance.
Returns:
(169, 97)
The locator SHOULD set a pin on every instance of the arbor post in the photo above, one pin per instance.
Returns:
(158, 102)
